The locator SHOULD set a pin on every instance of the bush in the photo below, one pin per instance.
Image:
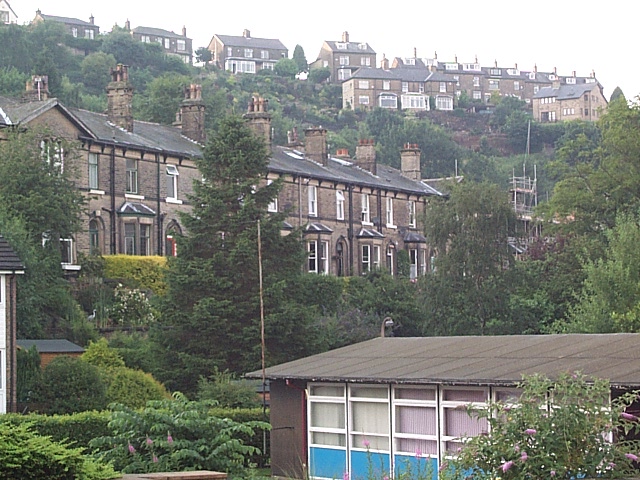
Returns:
(571, 438)
(175, 435)
(146, 273)
(25, 455)
(71, 385)
(29, 373)
(227, 391)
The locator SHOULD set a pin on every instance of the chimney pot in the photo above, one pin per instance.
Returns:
(184, 31)
(120, 97)
(246, 33)
(410, 161)
(366, 155)
(345, 37)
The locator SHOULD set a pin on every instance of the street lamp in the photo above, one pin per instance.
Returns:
(387, 322)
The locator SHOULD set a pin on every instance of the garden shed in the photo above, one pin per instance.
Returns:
(51, 348)
(393, 402)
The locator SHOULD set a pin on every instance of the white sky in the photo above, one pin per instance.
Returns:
(570, 35)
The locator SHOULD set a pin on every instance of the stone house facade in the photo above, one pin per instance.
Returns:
(569, 98)
(74, 26)
(246, 54)
(172, 43)
(343, 58)
(7, 15)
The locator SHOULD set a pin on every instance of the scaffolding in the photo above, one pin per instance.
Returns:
(524, 199)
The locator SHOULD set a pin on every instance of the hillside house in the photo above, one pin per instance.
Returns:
(7, 15)
(246, 54)
(344, 57)
(385, 399)
(569, 98)
(10, 267)
(75, 27)
(175, 44)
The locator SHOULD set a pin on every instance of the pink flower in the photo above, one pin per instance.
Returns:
(530, 431)
(631, 456)
(612, 465)
(516, 448)
(169, 439)
(345, 476)
(366, 443)
(506, 466)
(385, 478)
(552, 473)
(155, 459)
(418, 453)
(524, 457)
(628, 416)
(149, 441)
(132, 449)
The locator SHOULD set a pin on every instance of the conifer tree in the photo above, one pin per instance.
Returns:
(211, 313)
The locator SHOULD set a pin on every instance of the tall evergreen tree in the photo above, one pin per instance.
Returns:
(211, 313)
(300, 59)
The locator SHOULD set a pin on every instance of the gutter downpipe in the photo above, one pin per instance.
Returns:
(158, 213)
(350, 231)
(112, 194)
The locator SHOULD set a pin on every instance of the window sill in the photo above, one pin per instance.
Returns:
(175, 201)
(96, 192)
(133, 196)
(70, 267)
(367, 224)
(390, 225)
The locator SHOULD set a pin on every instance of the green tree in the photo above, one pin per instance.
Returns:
(286, 67)
(163, 97)
(616, 94)
(213, 300)
(319, 75)
(203, 55)
(95, 70)
(300, 59)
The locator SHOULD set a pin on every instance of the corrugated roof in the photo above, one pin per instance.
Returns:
(251, 42)
(158, 32)
(51, 346)
(9, 260)
(487, 360)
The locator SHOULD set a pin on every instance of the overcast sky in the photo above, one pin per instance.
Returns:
(570, 35)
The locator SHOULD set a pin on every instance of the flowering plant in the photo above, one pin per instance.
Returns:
(131, 308)
(564, 428)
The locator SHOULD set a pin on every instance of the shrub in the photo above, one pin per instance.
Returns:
(571, 438)
(71, 385)
(99, 354)
(175, 435)
(131, 308)
(146, 273)
(24, 455)
(28, 373)
(227, 391)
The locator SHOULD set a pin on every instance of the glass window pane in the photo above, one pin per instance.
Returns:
(370, 417)
(369, 392)
(332, 439)
(327, 391)
(465, 395)
(416, 420)
(327, 415)
(415, 393)
(414, 445)
(458, 423)
(375, 443)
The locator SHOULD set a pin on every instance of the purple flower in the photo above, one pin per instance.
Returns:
(149, 441)
(345, 476)
(385, 478)
(132, 449)
(366, 443)
(612, 465)
(530, 431)
(524, 456)
(155, 459)
(631, 456)
(516, 448)
(506, 466)
(169, 439)
(552, 473)
(418, 453)
(628, 416)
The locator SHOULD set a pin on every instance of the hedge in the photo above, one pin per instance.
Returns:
(144, 272)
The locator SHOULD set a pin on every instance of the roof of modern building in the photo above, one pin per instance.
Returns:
(50, 346)
(251, 42)
(472, 360)
(158, 32)
(9, 260)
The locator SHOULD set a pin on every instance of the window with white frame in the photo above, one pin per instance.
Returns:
(172, 182)
(476, 81)
(386, 84)
(369, 419)
(363, 99)
(415, 420)
(241, 66)
(365, 258)
(74, 32)
(145, 39)
(264, 54)
(413, 263)
(366, 214)
(344, 60)
(411, 205)
(363, 84)
(456, 423)
(248, 52)
(53, 153)
(89, 34)
(344, 74)
(313, 200)
(268, 65)
(130, 239)
(365, 61)
(318, 251)
(273, 205)
(443, 87)
(444, 103)
(181, 45)
(229, 52)
(405, 87)
(390, 259)
(327, 415)
(421, 88)
(375, 257)
(132, 176)
(388, 101)
(494, 85)
(516, 85)
(66, 251)
(477, 95)
(389, 212)
(167, 43)
(339, 205)
(414, 101)
(145, 239)
(93, 171)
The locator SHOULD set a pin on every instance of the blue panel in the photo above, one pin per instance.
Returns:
(369, 465)
(414, 467)
(327, 462)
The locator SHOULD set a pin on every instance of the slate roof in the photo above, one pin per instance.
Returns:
(9, 260)
(565, 92)
(351, 47)
(50, 346)
(68, 20)
(158, 32)
(251, 42)
(472, 360)
(286, 160)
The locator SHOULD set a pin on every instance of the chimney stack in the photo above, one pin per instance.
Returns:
(410, 162)
(191, 114)
(366, 156)
(37, 88)
(127, 25)
(415, 52)
(119, 98)
(315, 145)
(384, 63)
(184, 31)
(345, 37)
(259, 119)
(91, 19)
(246, 33)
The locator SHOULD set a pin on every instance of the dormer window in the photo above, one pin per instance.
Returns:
(409, 61)
(341, 46)
(571, 80)
(362, 46)
(495, 71)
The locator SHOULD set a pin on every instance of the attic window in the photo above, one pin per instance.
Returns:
(341, 46)
(172, 170)
(362, 46)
